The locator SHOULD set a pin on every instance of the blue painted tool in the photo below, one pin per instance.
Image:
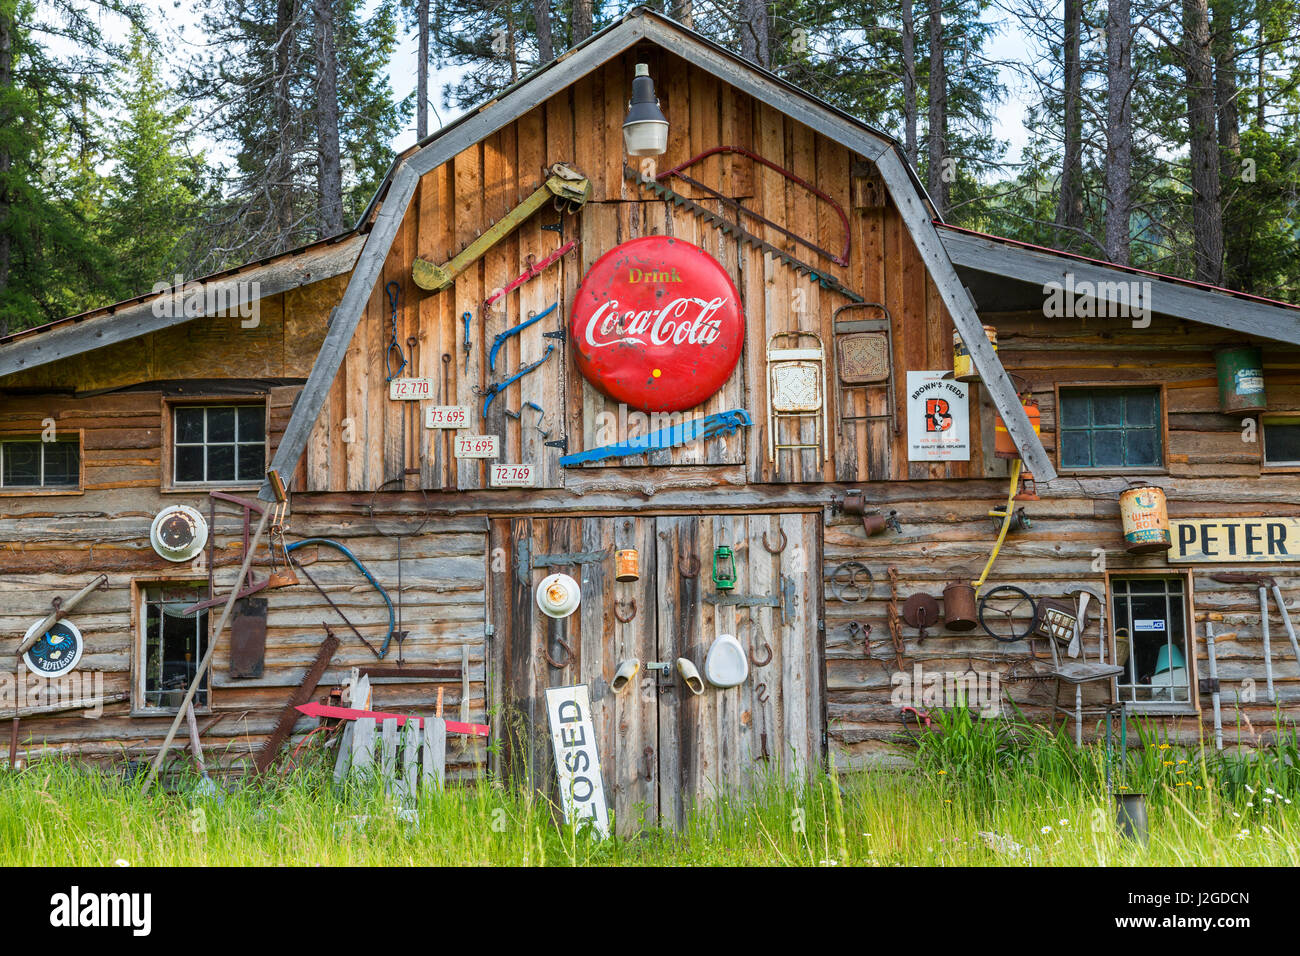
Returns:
(723, 423)
(466, 319)
(492, 391)
(501, 339)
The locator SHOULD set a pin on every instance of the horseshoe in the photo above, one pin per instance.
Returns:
(568, 654)
(772, 550)
(765, 661)
(618, 613)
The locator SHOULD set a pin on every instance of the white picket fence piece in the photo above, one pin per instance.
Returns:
(423, 754)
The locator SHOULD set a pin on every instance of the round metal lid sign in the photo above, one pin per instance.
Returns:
(657, 324)
(57, 652)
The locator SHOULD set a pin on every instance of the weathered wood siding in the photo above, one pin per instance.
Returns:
(947, 533)
(48, 550)
(363, 440)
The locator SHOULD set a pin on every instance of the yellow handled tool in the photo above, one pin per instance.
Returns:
(567, 188)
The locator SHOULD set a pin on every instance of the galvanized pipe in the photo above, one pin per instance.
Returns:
(1268, 655)
(1214, 684)
(1286, 619)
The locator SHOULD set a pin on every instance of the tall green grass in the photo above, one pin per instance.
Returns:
(980, 792)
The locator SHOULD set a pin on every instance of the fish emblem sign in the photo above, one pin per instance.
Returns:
(657, 324)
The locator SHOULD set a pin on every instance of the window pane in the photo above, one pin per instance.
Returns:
(1143, 447)
(251, 458)
(252, 419)
(61, 458)
(22, 463)
(189, 424)
(221, 463)
(1075, 450)
(1107, 448)
(1281, 443)
(1107, 407)
(189, 463)
(1143, 408)
(221, 424)
(1074, 409)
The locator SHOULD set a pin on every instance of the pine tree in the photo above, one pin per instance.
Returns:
(156, 184)
(50, 191)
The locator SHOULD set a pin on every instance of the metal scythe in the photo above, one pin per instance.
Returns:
(207, 657)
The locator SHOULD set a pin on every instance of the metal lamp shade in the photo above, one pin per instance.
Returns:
(645, 131)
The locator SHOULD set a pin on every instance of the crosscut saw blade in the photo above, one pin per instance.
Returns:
(729, 228)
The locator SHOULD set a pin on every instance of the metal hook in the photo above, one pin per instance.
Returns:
(618, 610)
(772, 550)
(765, 661)
(760, 693)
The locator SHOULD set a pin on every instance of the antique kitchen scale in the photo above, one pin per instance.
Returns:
(863, 361)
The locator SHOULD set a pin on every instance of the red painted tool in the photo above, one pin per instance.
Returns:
(348, 713)
(533, 271)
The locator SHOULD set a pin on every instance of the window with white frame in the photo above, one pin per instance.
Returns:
(1150, 618)
(218, 443)
(171, 645)
(31, 464)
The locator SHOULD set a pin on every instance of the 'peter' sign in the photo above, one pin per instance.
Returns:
(657, 324)
(577, 763)
(1232, 540)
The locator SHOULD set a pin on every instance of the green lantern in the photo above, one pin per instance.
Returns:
(724, 568)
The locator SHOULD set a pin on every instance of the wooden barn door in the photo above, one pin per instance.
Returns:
(723, 740)
(662, 750)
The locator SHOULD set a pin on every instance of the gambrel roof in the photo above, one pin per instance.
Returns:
(644, 25)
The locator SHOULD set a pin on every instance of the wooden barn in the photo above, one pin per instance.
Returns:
(365, 456)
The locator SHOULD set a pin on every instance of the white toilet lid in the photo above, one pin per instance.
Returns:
(726, 664)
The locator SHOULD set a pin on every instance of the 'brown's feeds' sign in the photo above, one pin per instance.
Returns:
(1230, 540)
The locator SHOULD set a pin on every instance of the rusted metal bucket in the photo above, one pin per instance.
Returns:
(959, 612)
(1144, 514)
(963, 366)
(627, 565)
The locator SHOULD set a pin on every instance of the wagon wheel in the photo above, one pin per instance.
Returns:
(1008, 613)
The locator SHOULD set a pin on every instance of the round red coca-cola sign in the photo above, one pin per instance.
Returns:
(657, 324)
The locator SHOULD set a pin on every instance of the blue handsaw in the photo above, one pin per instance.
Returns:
(723, 423)
(505, 336)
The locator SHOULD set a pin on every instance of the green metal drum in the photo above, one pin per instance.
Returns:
(1241, 379)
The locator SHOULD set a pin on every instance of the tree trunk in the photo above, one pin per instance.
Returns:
(6, 159)
(542, 17)
(1259, 73)
(1207, 214)
(939, 167)
(581, 20)
(1119, 129)
(753, 32)
(909, 83)
(1229, 129)
(281, 171)
(1069, 209)
(683, 12)
(422, 73)
(329, 173)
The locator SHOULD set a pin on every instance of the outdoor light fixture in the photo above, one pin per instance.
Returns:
(645, 131)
